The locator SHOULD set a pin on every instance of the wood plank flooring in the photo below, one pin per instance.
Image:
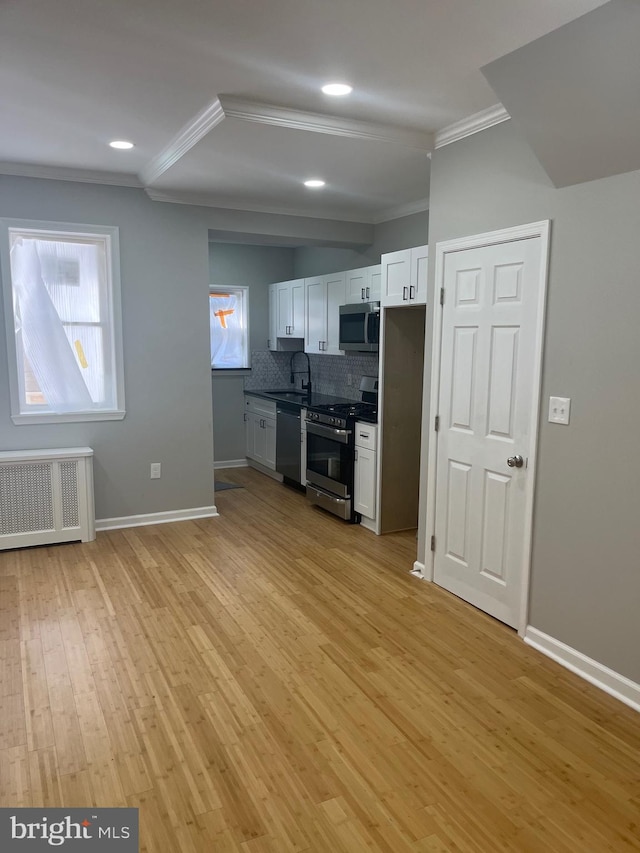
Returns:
(274, 680)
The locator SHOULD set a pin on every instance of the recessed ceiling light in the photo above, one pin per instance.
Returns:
(314, 183)
(337, 89)
(121, 143)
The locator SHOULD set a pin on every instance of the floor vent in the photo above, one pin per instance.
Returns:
(46, 496)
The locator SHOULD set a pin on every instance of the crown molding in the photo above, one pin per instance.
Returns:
(227, 106)
(470, 125)
(204, 200)
(279, 116)
(402, 210)
(190, 134)
(62, 173)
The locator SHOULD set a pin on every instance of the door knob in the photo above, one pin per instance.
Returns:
(515, 462)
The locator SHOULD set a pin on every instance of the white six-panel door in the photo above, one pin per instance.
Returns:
(487, 402)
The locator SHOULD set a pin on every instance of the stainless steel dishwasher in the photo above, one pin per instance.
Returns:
(288, 438)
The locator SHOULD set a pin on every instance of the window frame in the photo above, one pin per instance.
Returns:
(245, 290)
(111, 296)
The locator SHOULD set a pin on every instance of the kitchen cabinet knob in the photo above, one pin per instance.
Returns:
(367, 293)
(412, 294)
(362, 294)
(405, 291)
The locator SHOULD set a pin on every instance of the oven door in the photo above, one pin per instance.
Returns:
(330, 459)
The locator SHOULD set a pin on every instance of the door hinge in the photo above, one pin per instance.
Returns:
(436, 424)
(442, 296)
(433, 543)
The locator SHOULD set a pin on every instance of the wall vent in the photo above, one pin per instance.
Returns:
(46, 496)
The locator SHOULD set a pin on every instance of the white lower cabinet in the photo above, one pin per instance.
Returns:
(365, 472)
(260, 431)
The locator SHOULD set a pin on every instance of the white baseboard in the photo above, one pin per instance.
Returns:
(232, 463)
(418, 570)
(606, 679)
(156, 518)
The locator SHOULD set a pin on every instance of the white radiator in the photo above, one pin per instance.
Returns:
(46, 496)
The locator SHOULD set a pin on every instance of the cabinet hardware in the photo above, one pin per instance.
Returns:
(364, 435)
(412, 294)
(244, 417)
(433, 543)
(405, 291)
(362, 294)
(367, 293)
(442, 296)
(436, 424)
(356, 455)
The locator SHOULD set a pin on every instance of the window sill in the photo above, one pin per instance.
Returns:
(230, 372)
(68, 417)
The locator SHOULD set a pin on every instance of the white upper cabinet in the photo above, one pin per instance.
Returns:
(363, 285)
(404, 277)
(290, 309)
(323, 297)
(272, 341)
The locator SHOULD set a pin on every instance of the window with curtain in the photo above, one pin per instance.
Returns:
(229, 327)
(61, 292)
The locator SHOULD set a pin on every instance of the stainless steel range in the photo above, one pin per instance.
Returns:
(331, 451)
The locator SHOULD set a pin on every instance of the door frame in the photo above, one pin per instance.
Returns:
(478, 241)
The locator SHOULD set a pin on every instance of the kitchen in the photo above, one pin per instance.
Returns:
(336, 378)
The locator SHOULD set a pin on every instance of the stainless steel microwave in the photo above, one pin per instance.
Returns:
(360, 327)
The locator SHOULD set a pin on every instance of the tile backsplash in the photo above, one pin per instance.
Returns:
(336, 375)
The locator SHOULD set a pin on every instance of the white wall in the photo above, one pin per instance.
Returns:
(585, 583)
(165, 278)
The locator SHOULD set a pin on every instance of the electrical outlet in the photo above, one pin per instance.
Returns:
(156, 471)
(559, 408)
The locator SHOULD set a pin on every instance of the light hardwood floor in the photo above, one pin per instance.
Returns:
(275, 680)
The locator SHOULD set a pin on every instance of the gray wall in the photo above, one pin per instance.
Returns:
(388, 237)
(585, 584)
(165, 277)
(254, 267)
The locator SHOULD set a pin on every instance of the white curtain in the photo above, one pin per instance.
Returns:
(227, 331)
(42, 334)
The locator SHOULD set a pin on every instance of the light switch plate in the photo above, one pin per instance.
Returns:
(559, 408)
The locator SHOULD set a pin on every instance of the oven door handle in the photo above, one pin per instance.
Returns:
(340, 435)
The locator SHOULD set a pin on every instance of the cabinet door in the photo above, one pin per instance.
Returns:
(269, 445)
(315, 314)
(297, 308)
(334, 287)
(396, 278)
(375, 284)
(418, 287)
(272, 341)
(283, 309)
(252, 429)
(364, 489)
(356, 286)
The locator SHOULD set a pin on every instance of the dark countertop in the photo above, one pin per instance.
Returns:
(302, 402)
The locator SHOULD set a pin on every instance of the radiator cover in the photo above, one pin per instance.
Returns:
(46, 496)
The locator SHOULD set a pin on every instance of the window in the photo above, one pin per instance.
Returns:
(62, 311)
(229, 326)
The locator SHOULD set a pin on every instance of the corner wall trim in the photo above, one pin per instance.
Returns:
(606, 679)
(156, 518)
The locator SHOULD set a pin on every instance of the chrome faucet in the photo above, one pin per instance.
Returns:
(305, 387)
